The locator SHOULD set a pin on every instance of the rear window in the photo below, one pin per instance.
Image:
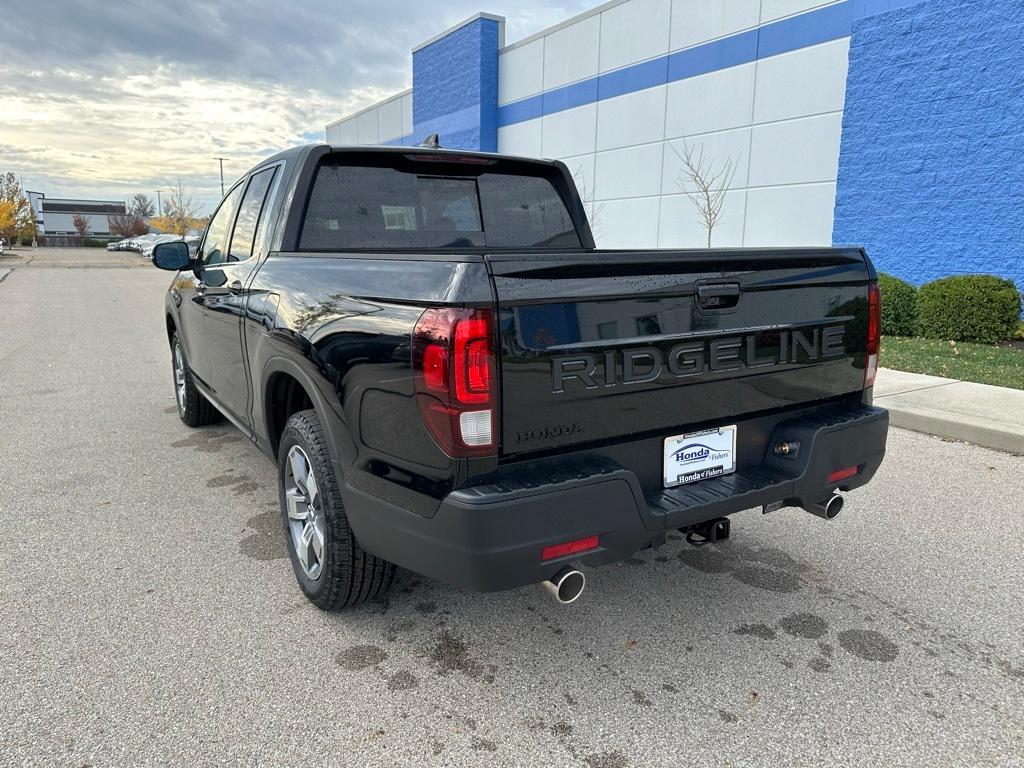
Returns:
(418, 205)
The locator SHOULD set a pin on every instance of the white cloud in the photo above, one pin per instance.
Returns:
(100, 100)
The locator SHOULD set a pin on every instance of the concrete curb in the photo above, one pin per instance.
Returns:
(992, 417)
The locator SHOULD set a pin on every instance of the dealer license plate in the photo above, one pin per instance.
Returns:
(700, 455)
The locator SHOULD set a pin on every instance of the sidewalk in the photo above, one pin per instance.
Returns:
(992, 417)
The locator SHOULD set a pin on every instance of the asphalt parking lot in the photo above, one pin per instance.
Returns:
(150, 615)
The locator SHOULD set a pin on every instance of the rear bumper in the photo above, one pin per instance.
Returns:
(489, 537)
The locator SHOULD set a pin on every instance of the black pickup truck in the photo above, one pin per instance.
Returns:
(451, 378)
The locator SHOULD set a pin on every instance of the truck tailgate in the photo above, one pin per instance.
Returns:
(602, 346)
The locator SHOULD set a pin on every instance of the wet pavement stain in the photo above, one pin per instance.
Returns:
(561, 729)
(805, 625)
(267, 542)
(240, 485)
(819, 664)
(706, 560)
(767, 579)
(403, 681)
(206, 441)
(1009, 670)
(613, 759)
(868, 645)
(483, 745)
(641, 699)
(245, 487)
(769, 569)
(220, 481)
(398, 628)
(428, 607)
(451, 654)
(762, 631)
(727, 717)
(360, 657)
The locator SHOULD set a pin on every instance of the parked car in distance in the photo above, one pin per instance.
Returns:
(450, 377)
(153, 240)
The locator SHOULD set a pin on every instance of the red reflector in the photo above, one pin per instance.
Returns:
(568, 548)
(841, 474)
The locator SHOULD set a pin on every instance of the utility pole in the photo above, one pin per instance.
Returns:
(222, 159)
(159, 208)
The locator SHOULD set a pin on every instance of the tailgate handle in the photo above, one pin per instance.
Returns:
(718, 296)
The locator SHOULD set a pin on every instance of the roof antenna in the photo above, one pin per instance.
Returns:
(431, 142)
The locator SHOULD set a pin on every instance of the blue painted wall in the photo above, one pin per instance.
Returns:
(931, 168)
(455, 87)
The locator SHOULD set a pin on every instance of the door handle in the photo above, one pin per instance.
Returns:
(235, 287)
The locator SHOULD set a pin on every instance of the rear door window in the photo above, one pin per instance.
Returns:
(428, 205)
(249, 214)
(215, 244)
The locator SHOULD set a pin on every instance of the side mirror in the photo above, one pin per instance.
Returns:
(172, 256)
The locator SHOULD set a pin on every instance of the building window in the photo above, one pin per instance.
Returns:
(648, 325)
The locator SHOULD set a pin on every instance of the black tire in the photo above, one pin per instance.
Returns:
(348, 574)
(193, 409)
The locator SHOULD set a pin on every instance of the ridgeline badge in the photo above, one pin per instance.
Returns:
(642, 365)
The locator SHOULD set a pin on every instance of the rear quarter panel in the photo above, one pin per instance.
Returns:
(342, 325)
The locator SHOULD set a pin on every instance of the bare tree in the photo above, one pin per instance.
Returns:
(594, 209)
(704, 183)
(179, 214)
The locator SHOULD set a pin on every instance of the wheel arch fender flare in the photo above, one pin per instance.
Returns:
(327, 406)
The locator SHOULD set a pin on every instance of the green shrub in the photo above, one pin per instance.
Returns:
(25, 241)
(899, 306)
(980, 308)
(91, 242)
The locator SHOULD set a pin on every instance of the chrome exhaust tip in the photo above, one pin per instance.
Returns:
(827, 510)
(566, 586)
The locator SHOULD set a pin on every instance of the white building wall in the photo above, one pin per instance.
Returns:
(386, 121)
(777, 120)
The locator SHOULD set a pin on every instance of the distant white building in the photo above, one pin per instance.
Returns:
(55, 217)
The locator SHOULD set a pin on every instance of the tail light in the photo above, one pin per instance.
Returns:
(456, 379)
(874, 334)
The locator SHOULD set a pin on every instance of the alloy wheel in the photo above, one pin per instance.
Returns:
(306, 521)
(179, 377)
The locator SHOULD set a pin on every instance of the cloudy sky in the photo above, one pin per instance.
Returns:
(104, 99)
